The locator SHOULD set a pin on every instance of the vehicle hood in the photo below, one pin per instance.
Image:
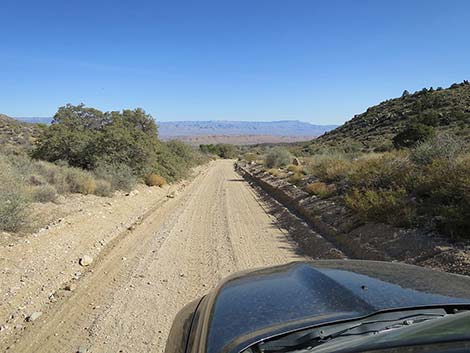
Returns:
(255, 305)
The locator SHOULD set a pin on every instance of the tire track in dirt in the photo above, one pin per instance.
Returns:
(216, 226)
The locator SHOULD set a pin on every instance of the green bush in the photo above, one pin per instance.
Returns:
(83, 137)
(120, 176)
(278, 157)
(412, 135)
(296, 178)
(385, 205)
(330, 167)
(174, 160)
(222, 150)
(380, 171)
(443, 188)
(443, 146)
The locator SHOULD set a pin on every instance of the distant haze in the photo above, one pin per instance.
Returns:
(291, 128)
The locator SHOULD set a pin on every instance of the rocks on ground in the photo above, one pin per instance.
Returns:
(85, 260)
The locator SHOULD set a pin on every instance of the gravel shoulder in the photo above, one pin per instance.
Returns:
(170, 252)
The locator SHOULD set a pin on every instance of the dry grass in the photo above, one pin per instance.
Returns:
(103, 188)
(155, 180)
(321, 189)
(296, 178)
(330, 168)
(296, 169)
(44, 193)
(274, 172)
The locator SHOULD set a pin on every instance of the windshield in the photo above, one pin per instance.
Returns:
(386, 330)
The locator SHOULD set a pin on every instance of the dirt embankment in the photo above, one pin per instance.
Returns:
(370, 241)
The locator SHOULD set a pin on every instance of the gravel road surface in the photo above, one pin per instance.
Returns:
(126, 300)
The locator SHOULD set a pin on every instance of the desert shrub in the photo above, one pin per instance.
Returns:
(37, 180)
(384, 146)
(278, 157)
(273, 171)
(321, 189)
(44, 193)
(443, 188)
(380, 171)
(222, 150)
(250, 157)
(386, 205)
(443, 146)
(329, 167)
(155, 180)
(53, 175)
(296, 169)
(120, 176)
(13, 206)
(103, 188)
(80, 181)
(412, 135)
(13, 199)
(296, 178)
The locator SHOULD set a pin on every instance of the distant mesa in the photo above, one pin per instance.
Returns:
(285, 128)
(236, 132)
(36, 120)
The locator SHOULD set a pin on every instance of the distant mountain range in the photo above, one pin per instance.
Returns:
(36, 120)
(290, 128)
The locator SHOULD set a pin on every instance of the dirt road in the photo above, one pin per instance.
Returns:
(126, 301)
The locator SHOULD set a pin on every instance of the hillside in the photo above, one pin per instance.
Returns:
(17, 133)
(237, 128)
(445, 109)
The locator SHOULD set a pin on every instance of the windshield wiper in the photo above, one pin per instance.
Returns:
(376, 326)
(372, 325)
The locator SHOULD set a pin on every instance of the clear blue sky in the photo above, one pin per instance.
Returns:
(317, 61)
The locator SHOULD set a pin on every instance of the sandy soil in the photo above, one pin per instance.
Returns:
(145, 268)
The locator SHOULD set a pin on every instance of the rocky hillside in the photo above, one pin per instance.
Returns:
(444, 109)
(17, 133)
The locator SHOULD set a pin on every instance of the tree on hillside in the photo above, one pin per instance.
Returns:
(412, 135)
(85, 137)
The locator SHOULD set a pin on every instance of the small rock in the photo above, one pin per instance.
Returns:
(82, 349)
(70, 287)
(85, 260)
(34, 316)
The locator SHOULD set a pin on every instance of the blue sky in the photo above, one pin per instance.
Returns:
(317, 61)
